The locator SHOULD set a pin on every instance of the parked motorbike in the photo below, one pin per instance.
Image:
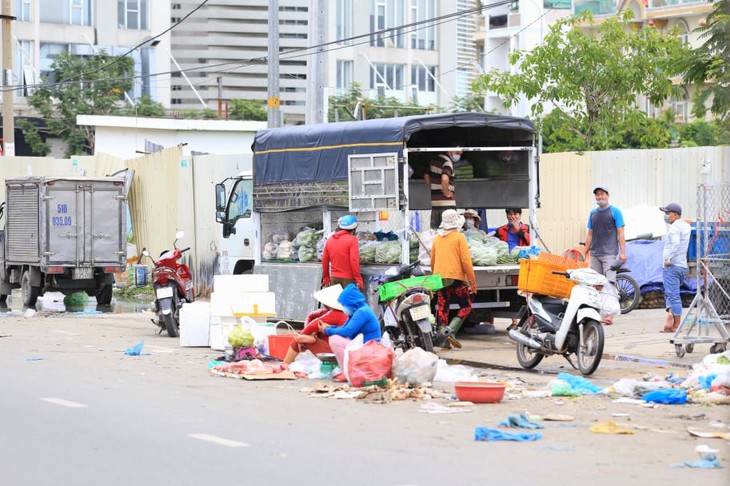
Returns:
(407, 317)
(565, 327)
(173, 285)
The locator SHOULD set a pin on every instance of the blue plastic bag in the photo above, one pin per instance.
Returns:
(135, 350)
(668, 396)
(489, 435)
(578, 383)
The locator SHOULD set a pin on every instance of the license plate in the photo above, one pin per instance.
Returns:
(164, 292)
(420, 312)
(83, 272)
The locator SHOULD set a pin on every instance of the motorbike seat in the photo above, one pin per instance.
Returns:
(554, 306)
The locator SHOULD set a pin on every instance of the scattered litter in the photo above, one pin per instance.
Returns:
(718, 424)
(633, 401)
(536, 393)
(415, 367)
(557, 417)
(451, 374)
(29, 313)
(579, 383)
(32, 358)
(135, 350)
(490, 435)
(669, 396)
(705, 449)
(557, 449)
(709, 435)
(435, 408)
(700, 416)
(519, 421)
(654, 429)
(620, 415)
(710, 461)
(5, 335)
(562, 389)
(609, 428)
(87, 312)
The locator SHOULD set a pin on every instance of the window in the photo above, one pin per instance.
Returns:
(24, 73)
(47, 53)
(344, 76)
(344, 20)
(680, 106)
(22, 10)
(387, 14)
(423, 79)
(424, 37)
(75, 12)
(239, 205)
(133, 14)
(388, 76)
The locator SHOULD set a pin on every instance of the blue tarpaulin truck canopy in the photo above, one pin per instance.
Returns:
(318, 153)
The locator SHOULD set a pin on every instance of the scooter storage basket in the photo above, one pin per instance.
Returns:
(561, 261)
(536, 277)
(391, 290)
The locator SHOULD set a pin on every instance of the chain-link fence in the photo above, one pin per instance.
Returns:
(709, 312)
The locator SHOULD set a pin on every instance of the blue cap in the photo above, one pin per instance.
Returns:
(347, 222)
(672, 208)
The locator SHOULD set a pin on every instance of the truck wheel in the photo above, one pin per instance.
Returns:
(104, 297)
(30, 293)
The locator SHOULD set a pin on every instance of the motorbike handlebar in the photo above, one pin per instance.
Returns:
(184, 250)
(555, 272)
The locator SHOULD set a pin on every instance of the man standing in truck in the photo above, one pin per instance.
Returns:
(440, 181)
(341, 256)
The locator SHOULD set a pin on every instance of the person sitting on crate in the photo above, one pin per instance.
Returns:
(311, 338)
(361, 320)
(451, 259)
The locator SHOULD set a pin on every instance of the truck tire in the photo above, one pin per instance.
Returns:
(104, 297)
(30, 293)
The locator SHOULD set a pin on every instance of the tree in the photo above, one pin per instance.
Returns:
(145, 107)
(93, 85)
(592, 79)
(353, 105)
(709, 63)
(248, 110)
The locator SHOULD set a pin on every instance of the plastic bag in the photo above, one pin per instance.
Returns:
(425, 245)
(388, 252)
(454, 373)
(367, 252)
(371, 361)
(285, 250)
(415, 367)
(308, 363)
(270, 250)
(669, 396)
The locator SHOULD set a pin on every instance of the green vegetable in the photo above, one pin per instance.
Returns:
(240, 337)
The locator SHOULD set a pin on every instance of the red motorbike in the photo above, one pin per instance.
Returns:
(173, 285)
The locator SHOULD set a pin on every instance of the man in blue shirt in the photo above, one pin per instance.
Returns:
(675, 263)
(605, 239)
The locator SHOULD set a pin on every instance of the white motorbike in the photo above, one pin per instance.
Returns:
(565, 327)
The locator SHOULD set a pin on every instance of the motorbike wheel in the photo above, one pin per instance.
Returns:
(104, 297)
(629, 293)
(170, 320)
(527, 357)
(426, 341)
(590, 352)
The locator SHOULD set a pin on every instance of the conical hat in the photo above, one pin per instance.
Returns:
(328, 296)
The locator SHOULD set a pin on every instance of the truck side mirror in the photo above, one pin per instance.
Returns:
(220, 199)
(228, 229)
(220, 216)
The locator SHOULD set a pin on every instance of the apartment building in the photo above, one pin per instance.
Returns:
(44, 28)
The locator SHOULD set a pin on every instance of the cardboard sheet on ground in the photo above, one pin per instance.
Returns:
(709, 435)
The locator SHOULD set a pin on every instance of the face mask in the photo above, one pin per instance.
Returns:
(456, 157)
(601, 202)
(470, 223)
(666, 219)
(347, 310)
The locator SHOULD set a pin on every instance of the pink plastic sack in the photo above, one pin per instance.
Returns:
(371, 362)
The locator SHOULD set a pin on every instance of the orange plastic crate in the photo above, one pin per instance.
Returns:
(561, 261)
(536, 276)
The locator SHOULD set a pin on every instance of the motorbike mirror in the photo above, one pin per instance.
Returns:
(179, 235)
(146, 253)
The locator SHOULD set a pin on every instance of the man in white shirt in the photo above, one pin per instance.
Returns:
(675, 263)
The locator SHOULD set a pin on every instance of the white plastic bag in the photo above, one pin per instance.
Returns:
(415, 367)
(308, 363)
(452, 374)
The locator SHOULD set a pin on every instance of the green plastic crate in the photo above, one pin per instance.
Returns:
(394, 289)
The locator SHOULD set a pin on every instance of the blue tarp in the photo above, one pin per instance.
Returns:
(312, 153)
(644, 258)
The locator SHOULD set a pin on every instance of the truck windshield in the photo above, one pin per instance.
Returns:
(239, 205)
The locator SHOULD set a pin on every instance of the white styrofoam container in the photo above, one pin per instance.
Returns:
(220, 304)
(254, 304)
(234, 284)
(195, 324)
(219, 329)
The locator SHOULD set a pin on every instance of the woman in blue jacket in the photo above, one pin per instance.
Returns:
(361, 320)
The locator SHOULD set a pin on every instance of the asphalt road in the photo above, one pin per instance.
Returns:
(75, 410)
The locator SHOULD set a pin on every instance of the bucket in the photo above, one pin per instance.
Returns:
(279, 343)
(140, 274)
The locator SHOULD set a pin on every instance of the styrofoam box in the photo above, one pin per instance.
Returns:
(220, 304)
(254, 304)
(219, 329)
(241, 283)
(195, 324)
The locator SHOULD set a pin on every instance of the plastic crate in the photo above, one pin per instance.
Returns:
(536, 277)
(391, 290)
(561, 261)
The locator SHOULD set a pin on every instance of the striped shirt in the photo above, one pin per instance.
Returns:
(439, 166)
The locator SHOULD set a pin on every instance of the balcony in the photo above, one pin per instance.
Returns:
(557, 4)
(596, 7)
(670, 3)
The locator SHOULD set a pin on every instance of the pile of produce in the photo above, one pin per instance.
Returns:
(240, 337)
(486, 253)
(306, 244)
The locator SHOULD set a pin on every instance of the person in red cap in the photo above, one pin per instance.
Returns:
(675, 263)
(605, 238)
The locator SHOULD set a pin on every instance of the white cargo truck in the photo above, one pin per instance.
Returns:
(66, 234)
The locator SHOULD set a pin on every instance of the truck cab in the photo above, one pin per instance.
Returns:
(234, 210)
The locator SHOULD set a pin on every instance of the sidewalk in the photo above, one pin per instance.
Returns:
(634, 339)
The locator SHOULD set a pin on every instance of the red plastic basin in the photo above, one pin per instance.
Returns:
(479, 391)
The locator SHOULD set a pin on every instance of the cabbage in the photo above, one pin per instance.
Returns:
(240, 337)
(307, 253)
(388, 252)
(367, 252)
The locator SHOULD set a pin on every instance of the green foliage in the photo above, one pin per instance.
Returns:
(247, 110)
(709, 64)
(93, 85)
(470, 103)
(593, 79)
(145, 107)
(33, 137)
(699, 133)
(354, 106)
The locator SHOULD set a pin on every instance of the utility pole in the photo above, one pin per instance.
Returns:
(8, 112)
(274, 111)
(316, 63)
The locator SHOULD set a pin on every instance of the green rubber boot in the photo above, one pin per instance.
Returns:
(455, 325)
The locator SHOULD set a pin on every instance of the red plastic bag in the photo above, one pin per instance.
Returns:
(371, 362)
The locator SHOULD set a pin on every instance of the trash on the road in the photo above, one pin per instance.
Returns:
(519, 421)
(709, 435)
(555, 417)
(452, 373)
(629, 387)
(415, 367)
(669, 396)
(135, 350)
(620, 415)
(455, 407)
(563, 389)
(489, 435)
(609, 428)
(714, 370)
(254, 369)
(709, 461)
(579, 383)
(32, 358)
(29, 313)
(87, 312)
